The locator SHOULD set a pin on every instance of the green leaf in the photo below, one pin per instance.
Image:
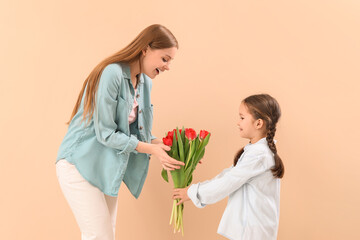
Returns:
(187, 146)
(164, 175)
(178, 176)
(174, 149)
(183, 134)
(201, 155)
(188, 173)
(181, 147)
(189, 161)
(189, 180)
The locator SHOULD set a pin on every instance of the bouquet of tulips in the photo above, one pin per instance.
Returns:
(189, 148)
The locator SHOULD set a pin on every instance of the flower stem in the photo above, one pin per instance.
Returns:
(172, 211)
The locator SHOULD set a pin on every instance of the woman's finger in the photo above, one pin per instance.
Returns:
(174, 161)
(166, 148)
(166, 167)
(170, 166)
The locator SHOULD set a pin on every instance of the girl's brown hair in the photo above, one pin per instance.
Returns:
(265, 107)
(155, 36)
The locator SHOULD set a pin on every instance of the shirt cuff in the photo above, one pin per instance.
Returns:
(192, 193)
(130, 146)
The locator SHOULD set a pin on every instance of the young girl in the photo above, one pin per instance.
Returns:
(253, 182)
(109, 138)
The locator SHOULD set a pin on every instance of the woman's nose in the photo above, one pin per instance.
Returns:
(166, 67)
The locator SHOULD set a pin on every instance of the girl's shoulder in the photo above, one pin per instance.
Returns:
(259, 150)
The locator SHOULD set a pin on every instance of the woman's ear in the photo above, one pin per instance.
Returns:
(144, 51)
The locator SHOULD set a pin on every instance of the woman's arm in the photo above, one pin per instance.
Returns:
(105, 125)
(158, 150)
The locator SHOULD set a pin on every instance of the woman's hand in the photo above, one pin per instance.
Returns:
(167, 162)
(181, 193)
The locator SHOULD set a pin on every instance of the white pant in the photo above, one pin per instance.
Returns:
(94, 211)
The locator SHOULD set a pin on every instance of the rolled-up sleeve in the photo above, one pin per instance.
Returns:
(105, 113)
(228, 181)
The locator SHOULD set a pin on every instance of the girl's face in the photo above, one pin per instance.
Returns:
(248, 126)
(155, 61)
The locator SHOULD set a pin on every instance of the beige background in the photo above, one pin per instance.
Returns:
(303, 52)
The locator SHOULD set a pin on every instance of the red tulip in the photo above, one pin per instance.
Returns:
(170, 134)
(167, 141)
(203, 134)
(190, 134)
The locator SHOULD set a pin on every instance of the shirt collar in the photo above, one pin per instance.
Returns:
(261, 141)
(127, 75)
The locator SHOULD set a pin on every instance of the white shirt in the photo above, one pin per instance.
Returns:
(252, 212)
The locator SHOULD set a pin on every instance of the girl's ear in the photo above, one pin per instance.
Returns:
(259, 123)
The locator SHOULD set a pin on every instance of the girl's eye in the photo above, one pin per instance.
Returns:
(241, 118)
(164, 60)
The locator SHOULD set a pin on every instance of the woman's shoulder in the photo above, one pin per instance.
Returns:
(113, 73)
(115, 68)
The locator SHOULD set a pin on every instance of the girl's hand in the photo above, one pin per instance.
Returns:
(181, 193)
(167, 162)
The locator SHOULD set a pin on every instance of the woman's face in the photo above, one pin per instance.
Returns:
(155, 61)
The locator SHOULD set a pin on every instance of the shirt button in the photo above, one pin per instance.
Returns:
(138, 95)
(140, 127)
(140, 111)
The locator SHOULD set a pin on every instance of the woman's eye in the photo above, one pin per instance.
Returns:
(164, 60)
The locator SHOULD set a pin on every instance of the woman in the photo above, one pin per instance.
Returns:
(109, 137)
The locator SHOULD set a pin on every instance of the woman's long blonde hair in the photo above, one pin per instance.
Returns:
(155, 36)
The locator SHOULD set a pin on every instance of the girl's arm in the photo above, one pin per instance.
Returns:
(212, 191)
(181, 193)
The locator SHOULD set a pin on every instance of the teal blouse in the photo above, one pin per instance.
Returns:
(103, 150)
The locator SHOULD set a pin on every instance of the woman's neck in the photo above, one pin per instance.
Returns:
(134, 71)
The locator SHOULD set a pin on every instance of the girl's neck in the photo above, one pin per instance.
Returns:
(257, 138)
